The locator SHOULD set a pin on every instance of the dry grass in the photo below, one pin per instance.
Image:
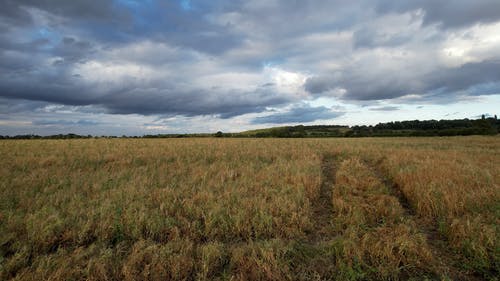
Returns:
(242, 209)
(377, 237)
(457, 192)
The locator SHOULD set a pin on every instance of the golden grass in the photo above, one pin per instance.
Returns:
(242, 209)
(377, 236)
(458, 192)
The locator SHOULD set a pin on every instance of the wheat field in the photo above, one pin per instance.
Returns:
(250, 209)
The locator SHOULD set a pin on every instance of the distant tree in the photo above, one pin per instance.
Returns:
(219, 134)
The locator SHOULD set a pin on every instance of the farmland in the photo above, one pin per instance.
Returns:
(250, 209)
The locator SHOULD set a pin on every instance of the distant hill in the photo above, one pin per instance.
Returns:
(463, 127)
(299, 131)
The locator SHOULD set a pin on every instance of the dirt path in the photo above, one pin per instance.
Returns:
(447, 260)
(322, 205)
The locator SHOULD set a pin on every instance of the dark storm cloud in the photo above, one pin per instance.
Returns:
(191, 103)
(8, 106)
(385, 108)
(370, 38)
(72, 50)
(12, 14)
(17, 10)
(64, 123)
(359, 87)
(465, 77)
(447, 13)
(299, 114)
(320, 84)
(470, 77)
(119, 21)
(131, 98)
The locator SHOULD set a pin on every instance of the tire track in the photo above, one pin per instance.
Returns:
(447, 260)
(322, 205)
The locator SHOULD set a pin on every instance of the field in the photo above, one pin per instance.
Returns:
(250, 209)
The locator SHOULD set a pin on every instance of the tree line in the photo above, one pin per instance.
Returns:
(459, 127)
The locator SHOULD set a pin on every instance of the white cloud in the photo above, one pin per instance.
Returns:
(472, 44)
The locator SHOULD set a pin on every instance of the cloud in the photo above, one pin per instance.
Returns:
(21, 10)
(466, 77)
(299, 114)
(447, 13)
(370, 38)
(225, 59)
(478, 78)
(129, 88)
(385, 108)
(64, 123)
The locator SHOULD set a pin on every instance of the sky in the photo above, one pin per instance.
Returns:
(130, 67)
